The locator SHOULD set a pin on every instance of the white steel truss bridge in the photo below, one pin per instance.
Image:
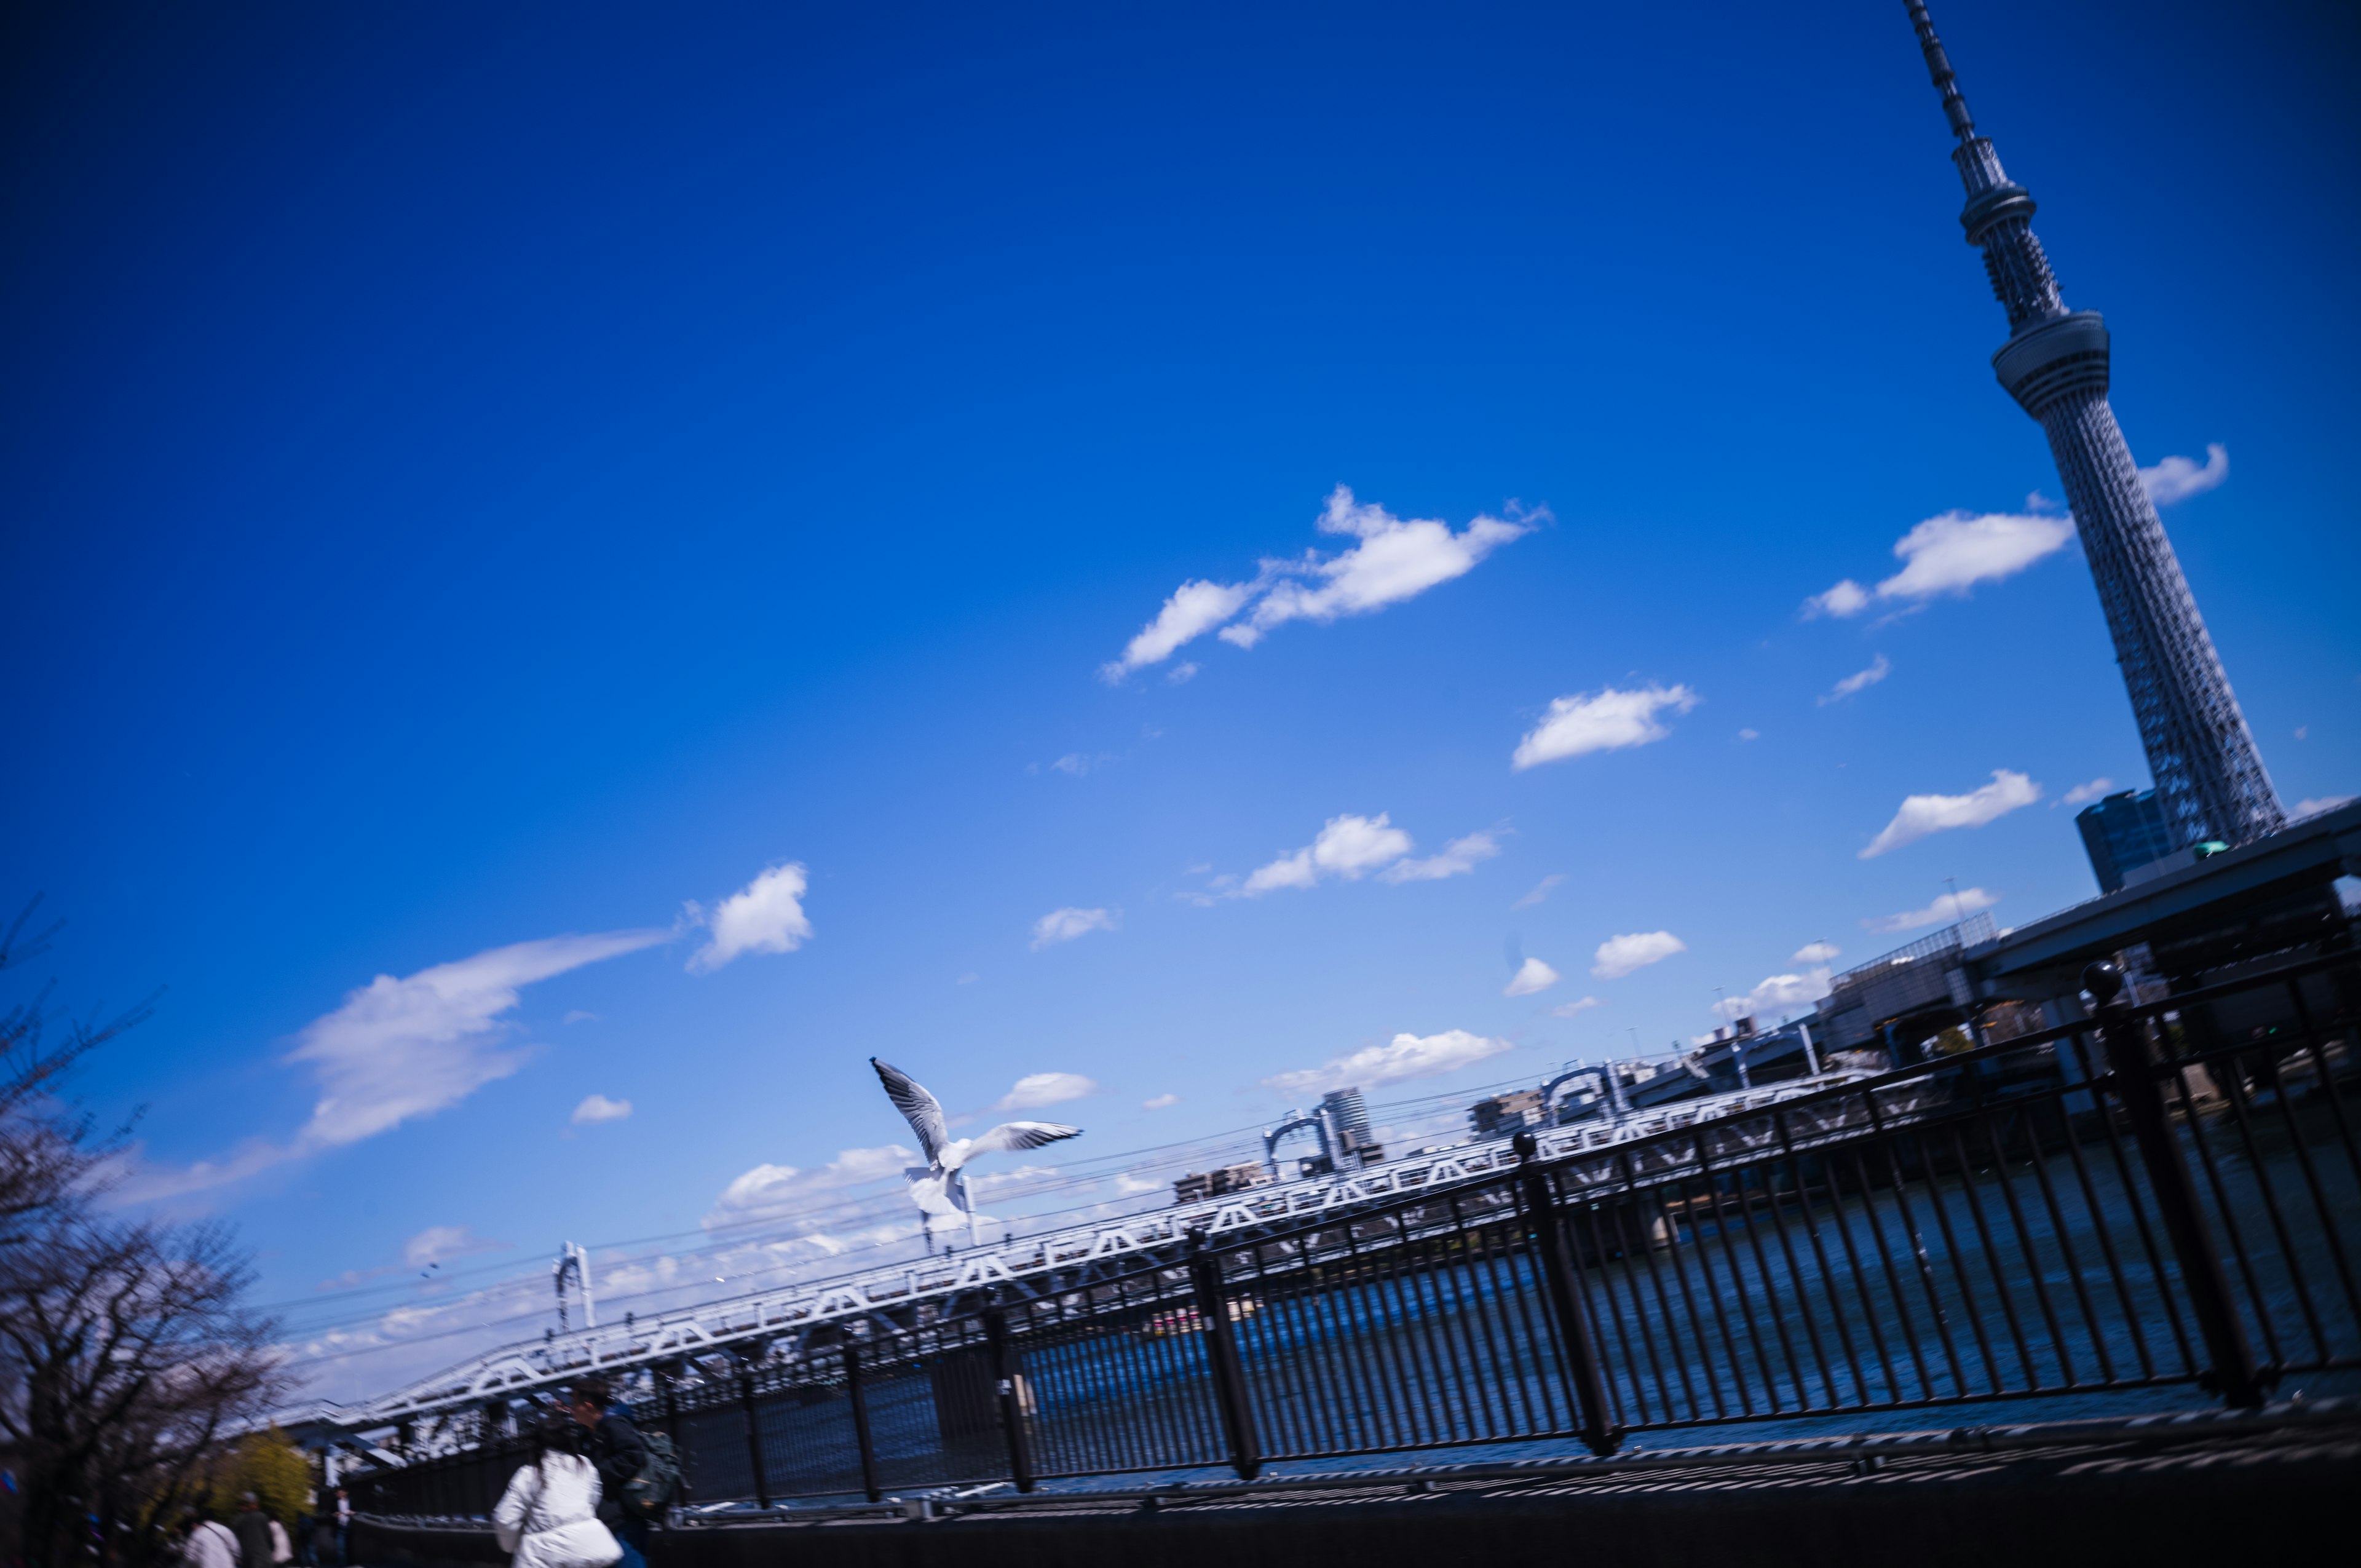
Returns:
(775, 1325)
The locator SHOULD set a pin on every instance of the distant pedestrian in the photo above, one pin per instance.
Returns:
(549, 1516)
(210, 1542)
(342, 1518)
(252, 1526)
(620, 1453)
(282, 1549)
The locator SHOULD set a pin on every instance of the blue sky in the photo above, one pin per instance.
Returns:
(480, 483)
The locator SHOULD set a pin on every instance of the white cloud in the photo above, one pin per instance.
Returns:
(1009, 1183)
(1129, 1186)
(2315, 804)
(1619, 956)
(767, 916)
(1951, 555)
(2178, 479)
(1861, 680)
(437, 1242)
(1193, 610)
(1944, 911)
(598, 1108)
(2082, 794)
(1159, 1102)
(1846, 598)
(1457, 856)
(1036, 1089)
(1580, 1004)
(1777, 993)
(1749, 735)
(1406, 1056)
(1924, 813)
(1604, 722)
(1540, 891)
(1065, 924)
(1349, 847)
(1532, 976)
(768, 1190)
(1077, 763)
(1181, 674)
(398, 1050)
(1396, 559)
(352, 1279)
(1817, 952)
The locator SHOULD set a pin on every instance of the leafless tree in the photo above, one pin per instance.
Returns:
(126, 1348)
(49, 1153)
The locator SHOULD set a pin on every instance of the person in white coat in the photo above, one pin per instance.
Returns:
(210, 1542)
(549, 1516)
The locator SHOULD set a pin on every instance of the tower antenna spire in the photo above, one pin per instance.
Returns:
(1938, 66)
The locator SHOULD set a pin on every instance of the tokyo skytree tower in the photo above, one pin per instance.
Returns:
(2209, 778)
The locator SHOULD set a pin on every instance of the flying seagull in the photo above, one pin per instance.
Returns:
(939, 1185)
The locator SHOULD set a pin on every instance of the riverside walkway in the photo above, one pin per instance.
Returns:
(2207, 1486)
(2159, 1209)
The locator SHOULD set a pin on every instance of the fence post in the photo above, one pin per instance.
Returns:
(668, 1373)
(754, 1427)
(1005, 1374)
(1565, 1290)
(860, 1396)
(2233, 1374)
(1222, 1356)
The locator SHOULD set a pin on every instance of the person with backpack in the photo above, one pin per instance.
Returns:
(549, 1516)
(636, 1469)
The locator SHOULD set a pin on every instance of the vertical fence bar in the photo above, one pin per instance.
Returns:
(1006, 1374)
(668, 1374)
(753, 1432)
(1222, 1358)
(1564, 1288)
(858, 1392)
(2233, 1374)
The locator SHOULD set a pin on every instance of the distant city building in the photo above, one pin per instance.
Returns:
(1503, 1114)
(1200, 1185)
(1348, 1113)
(2121, 832)
(1348, 1123)
(2209, 777)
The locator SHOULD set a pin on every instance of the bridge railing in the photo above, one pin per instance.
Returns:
(2168, 1196)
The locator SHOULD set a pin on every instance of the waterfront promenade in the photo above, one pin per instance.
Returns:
(2207, 1487)
(2156, 1212)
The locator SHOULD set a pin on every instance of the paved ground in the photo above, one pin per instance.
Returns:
(2147, 1493)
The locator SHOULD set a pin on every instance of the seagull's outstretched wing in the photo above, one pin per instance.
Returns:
(1016, 1136)
(918, 1107)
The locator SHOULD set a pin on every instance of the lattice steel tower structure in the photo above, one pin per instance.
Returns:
(2209, 777)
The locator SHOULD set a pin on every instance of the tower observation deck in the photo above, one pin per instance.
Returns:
(2209, 777)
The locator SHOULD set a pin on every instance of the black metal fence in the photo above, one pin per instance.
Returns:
(2168, 1195)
